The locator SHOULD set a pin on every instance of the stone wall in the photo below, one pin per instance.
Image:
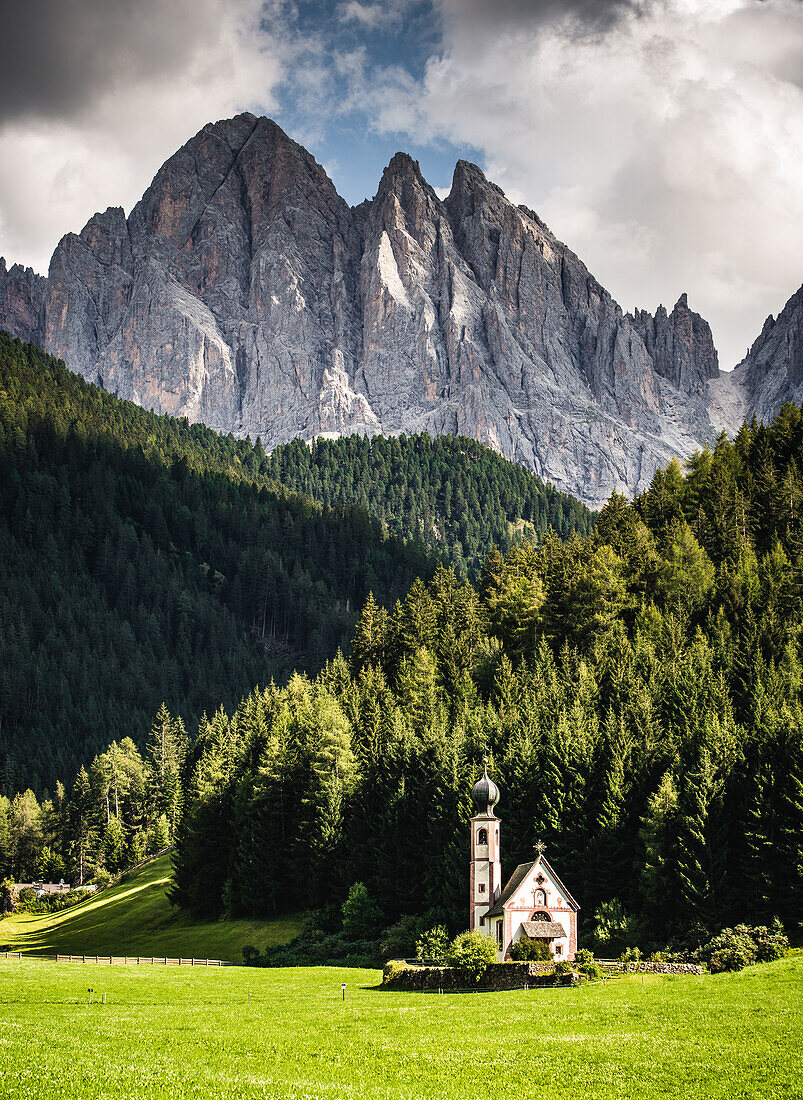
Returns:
(661, 968)
(509, 975)
(506, 975)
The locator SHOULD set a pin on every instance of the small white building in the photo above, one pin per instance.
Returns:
(533, 903)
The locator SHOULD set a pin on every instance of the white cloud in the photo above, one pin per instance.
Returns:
(665, 147)
(119, 123)
(369, 16)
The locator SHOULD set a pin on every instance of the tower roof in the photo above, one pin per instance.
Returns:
(485, 793)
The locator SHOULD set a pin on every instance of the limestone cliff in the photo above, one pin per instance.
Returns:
(244, 292)
(22, 302)
(772, 371)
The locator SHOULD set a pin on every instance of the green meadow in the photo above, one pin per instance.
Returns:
(135, 918)
(289, 1035)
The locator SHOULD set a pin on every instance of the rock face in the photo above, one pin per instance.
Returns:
(22, 302)
(772, 371)
(244, 292)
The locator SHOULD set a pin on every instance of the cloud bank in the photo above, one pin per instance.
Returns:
(95, 95)
(661, 139)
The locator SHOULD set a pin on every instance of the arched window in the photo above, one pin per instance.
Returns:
(540, 897)
(482, 836)
(541, 916)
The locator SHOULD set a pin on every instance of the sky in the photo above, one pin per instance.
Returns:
(662, 140)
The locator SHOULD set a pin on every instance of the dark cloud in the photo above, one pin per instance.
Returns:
(57, 56)
(584, 15)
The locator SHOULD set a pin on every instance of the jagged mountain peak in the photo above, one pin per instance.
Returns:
(772, 371)
(243, 291)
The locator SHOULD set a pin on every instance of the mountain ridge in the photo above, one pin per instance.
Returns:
(242, 291)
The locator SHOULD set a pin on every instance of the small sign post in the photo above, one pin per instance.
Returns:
(90, 992)
(343, 987)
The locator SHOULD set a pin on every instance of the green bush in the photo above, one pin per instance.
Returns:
(433, 944)
(585, 963)
(630, 955)
(735, 948)
(360, 913)
(393, 969)
(562, 968)
(527, 950)
(732, 949)
(472, 953)
(771, 943)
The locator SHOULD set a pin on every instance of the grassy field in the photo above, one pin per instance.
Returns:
(135, 918)
(288, 1035)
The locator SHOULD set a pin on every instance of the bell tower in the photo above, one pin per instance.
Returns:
(485, 876)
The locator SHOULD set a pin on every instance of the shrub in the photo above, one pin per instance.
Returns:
(27, 900)
(250, 954)
(472, 953)
(527, 950)
(771, 943)
(399, 940)
(562, 968)
(732, 949)
(585, 963)
(433, 944)
(393, 969)
(735, 948)
(630, 955)
(360, 913)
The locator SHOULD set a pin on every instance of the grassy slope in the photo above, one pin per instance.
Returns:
(135, 918)
(287, 1034)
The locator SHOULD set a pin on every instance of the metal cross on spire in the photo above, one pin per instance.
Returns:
(539, 847)
(485, 756)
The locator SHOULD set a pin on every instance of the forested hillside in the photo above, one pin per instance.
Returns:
(640, 693)
(450, 492)
(146, 559)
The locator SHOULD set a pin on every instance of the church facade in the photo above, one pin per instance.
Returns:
(533, 903)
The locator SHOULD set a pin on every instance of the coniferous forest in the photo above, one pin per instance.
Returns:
(146, 560)
(638, 689)
(450, 492)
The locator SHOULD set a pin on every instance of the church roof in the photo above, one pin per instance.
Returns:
(542, 929)
(518, 877)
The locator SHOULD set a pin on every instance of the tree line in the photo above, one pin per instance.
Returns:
(639, 691)
(450, 492)
(120, 809)
(146, 558)
(638, 688)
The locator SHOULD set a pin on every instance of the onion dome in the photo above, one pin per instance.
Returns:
(485, 793)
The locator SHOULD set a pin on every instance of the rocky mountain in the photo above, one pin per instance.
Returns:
(772, 371)
(243, 292)
(22, 301)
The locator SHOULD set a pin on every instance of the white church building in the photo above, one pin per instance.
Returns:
(533, 902)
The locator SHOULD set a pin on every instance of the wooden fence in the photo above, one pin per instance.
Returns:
(120, 960)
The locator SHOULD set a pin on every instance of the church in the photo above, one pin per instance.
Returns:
(533, 903)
